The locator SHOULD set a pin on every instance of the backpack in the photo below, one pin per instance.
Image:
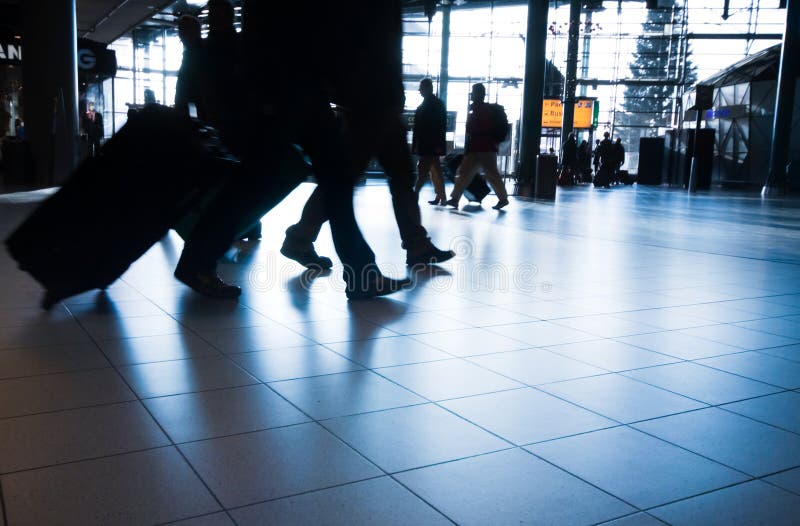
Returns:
(499, 123)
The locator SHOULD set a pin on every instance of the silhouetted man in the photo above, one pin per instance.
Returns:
(429, 140)
(189, 86)
(366, 81)
(480, 150)
(286, 102)
(93, 128)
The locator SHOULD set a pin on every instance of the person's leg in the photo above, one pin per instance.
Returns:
(488, 161)
(395, 157)
(300, 237)
(423, 169)
(464, 175)
(437, 179)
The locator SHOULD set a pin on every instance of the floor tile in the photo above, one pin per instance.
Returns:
(636, 467)
(214, 519)
(37, 394)
(34, 316)
(542, 333)
(471, 342)
(332, 331)
(112, 328)
(228, 316)
(294, 362)
(246, 469)
(759, 366)
(536, 366)
(679, 345)
(498, 489)
(789, 352)
(211, 414)
(527, 415)
(29, 441)
(611, 355)
(637, 519)
(749, 503)
(607, 326)
(421, 323)
(412, 437)
(114, 309)
(741, 443)
(704, 384)
(248, 339)
(665, 319)
(344, 394)
(621, 398)
(788, 480)
(718, 313)
(63, 333)
(147, 487)
(486, 316)
(184, 376)
(777, 326)
(386, 352)
(374, 501)
(147, 349)
(736, 336)
(447, 379)
(781, 410)
(15, 363)
(763, 306)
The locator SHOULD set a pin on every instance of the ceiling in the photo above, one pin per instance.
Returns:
(107, 20)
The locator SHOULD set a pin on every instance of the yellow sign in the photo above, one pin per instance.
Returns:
(553, 112)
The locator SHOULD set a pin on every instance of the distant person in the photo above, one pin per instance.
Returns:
(480, 150)
(585, 159)
(430, 128)
(5, 119)
(605, 152)
(150, 97)
(596, 156)
(619, 157)
(19, 129)
(93, 128)
(569, 153)
(188, 89)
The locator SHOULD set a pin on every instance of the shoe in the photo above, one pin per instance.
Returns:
(380, 286)
(452, 202)
(208, 285)
(308, 258)
(436, 201)
(432, 256)
(500, 204)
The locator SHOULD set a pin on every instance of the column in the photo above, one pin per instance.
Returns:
(443, 70)
(533, 89)
(50, 94)
(784, 103)
(572, 69)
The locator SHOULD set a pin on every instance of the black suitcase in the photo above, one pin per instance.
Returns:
(603, 177)
(477, 189)
(116, 206)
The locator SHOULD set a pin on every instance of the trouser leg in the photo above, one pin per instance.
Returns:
(464, 175)
(437, 179)
(423, 169)
(489, 163)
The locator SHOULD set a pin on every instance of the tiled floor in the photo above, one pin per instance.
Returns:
(629, 357)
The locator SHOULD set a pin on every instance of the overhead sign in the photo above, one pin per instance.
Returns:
(585, 113)
(93, 58)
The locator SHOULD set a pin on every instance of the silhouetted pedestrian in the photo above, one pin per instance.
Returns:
(428, 142)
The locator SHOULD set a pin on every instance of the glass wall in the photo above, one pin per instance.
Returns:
(636, 62)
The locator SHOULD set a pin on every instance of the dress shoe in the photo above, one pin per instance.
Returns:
(436, 201)
(307, 258)
(431, 256)
(208, 285)
(452, 202)
(500, 204)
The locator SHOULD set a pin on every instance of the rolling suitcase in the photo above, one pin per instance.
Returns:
(116, 206)
(477, 189)
(603, 177)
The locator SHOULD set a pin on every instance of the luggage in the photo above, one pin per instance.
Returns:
(294, 170)
(566, 177)
(626, 178)
(477, 189)
(115, 206)
(603, 177)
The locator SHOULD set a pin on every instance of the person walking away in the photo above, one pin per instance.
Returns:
(188, 88)
(619, 158)
(480, 150)
(429, 141)
(569, 160)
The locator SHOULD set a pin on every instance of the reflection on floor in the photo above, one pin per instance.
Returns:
(630, 355)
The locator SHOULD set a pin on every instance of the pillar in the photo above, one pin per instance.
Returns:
(572, 69)
(50, 80)
(443, 69)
